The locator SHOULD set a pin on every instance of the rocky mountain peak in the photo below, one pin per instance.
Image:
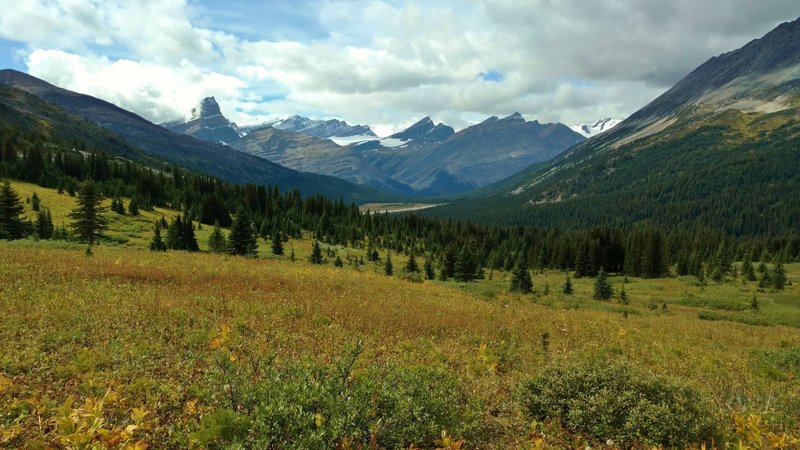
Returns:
(419, 129)
(205, 109)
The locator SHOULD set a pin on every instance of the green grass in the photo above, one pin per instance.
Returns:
(194, 339)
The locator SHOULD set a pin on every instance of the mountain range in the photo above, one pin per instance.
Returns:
(331, 128)
(426, 159)
(719, 150)
(145, 140)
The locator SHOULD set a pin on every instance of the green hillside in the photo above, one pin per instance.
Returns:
(735, 172)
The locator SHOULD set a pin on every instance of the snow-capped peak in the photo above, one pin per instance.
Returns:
(594, 128)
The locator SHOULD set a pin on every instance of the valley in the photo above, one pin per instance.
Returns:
(377, 208)
(164, 336)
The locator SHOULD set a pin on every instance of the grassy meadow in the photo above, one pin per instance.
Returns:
(133, 349)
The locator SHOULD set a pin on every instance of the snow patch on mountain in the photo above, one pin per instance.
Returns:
(594, 128)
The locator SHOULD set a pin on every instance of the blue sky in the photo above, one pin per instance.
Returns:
(380, 62)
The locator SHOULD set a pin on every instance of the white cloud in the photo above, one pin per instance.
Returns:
(156, 92)
(382, 62)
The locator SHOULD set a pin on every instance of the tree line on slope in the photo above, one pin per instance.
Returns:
(459, 249)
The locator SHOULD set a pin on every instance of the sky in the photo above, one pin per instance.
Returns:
(383, 63)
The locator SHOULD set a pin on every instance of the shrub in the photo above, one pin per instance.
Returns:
(221, 428)
(612, 400)
(309, 406)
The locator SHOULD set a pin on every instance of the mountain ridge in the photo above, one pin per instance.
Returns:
(715, 151)
(187, 151)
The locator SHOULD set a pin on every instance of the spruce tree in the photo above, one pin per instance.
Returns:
(133, 207)
(448, 269)
(35, 202)
(581, 269)
(602, 288)
(277, 243)
(175, 240)
(779, 277)
(117, 206)
(465, 265)
(388, 268)
(88, 222)
(338, 262)
(11, 226)
(747, 269)
(765, 281)
(216, 240)
(43, 228)
(623, 297)
(411, 265)
(242, 238)
(508, 263)
(157, 244)
(521, 278)
(568, 290)
(428, 268)
(316, 254)
(189, 237)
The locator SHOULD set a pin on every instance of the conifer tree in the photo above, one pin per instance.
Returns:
(388, 268)
(316, 254)
(411, 265)
(11, 226)
(133, 207)
(568, 290)
(521, 278)
(157, 244)
(277, 243)
(189, 237)
(448, 269)
(35, 202)
(338, 262)
(242, 238)
(117, 206)
(747, 269)
(428, 268)
(602, 288)
(623, 297)
(43, 228)
(779, 277)
(88, 221)
(581, 269)
(175, 239)
(508, 263)
(216, 240)
(291, 255)
(465, 265)
(766, 280)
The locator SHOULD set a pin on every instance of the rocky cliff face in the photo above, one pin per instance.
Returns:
(206, 122)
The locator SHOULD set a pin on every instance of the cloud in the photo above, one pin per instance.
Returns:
(386, 63)
(156, 92)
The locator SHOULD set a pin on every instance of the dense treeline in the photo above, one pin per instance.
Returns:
(710, 178)
(459, 250)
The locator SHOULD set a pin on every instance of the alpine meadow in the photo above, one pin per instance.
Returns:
(254, 272)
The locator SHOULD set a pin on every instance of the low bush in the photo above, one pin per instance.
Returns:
(612, 400)
(311, 406)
